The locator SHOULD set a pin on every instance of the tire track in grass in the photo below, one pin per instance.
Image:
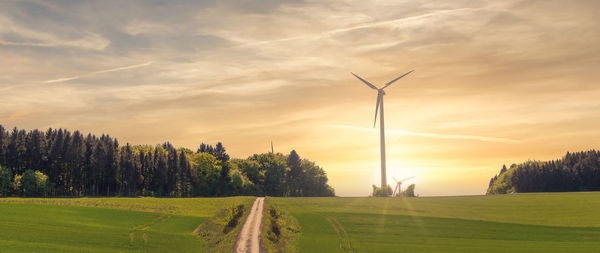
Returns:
(338, 234)
(146, 226)
(337, 226)
(345, 234)
(159, 219)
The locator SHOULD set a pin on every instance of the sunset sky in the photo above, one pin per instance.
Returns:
(495, 82)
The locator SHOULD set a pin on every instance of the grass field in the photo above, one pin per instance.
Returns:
(549, 222)
(106, 224)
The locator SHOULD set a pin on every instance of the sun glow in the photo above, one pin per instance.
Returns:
(495, 82)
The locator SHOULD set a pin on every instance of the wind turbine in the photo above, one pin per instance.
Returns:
(398, 187)
(380, 94)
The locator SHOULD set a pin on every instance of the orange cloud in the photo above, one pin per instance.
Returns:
(496, 82)
(15, 59)
(18, 115)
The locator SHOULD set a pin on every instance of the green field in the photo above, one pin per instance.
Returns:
(106, 224)
(550, 222)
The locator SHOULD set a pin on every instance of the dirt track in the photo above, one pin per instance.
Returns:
(249, 239)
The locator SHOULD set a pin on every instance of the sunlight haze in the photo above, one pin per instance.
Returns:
(495, 82)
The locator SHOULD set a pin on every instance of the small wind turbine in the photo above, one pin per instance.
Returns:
(399, 185)
(380, 94)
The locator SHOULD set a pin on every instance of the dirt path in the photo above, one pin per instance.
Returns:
(249, 239)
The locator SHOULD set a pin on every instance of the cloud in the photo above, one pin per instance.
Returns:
(14, 33)
(64, 79)
(14, 59)
(432, 135)
(404, 23)
(248, 72)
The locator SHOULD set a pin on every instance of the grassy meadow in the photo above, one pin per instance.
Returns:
(546, 222)
(107, 224)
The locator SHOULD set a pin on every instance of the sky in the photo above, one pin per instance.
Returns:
(495, 82)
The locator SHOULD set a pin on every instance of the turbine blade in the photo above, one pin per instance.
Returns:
(365, 81)
(388, 84)
(407, 178)
(395, 179)
(377, 108)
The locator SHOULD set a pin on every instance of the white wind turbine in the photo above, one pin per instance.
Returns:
(398, 187)
(379, 104)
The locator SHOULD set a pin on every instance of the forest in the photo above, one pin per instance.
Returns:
(578, 171)
(71, 164)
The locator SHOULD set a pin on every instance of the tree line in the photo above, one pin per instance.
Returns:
(63, 163)
(578, 171)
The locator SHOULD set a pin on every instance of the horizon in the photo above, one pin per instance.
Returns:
(268, 151)
(494, 83)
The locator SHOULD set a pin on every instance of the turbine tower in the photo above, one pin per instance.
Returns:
(379, 104)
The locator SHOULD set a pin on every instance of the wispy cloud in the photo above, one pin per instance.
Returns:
(64, 79)
(411, 21)
(246, 73)
(38, 36)
(433, 135)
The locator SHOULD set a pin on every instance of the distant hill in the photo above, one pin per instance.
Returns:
(579, 171)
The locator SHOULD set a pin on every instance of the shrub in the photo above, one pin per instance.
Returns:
(232, 217)
(281, 231)
(409, 192)
(382, 191)
(32, 184)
